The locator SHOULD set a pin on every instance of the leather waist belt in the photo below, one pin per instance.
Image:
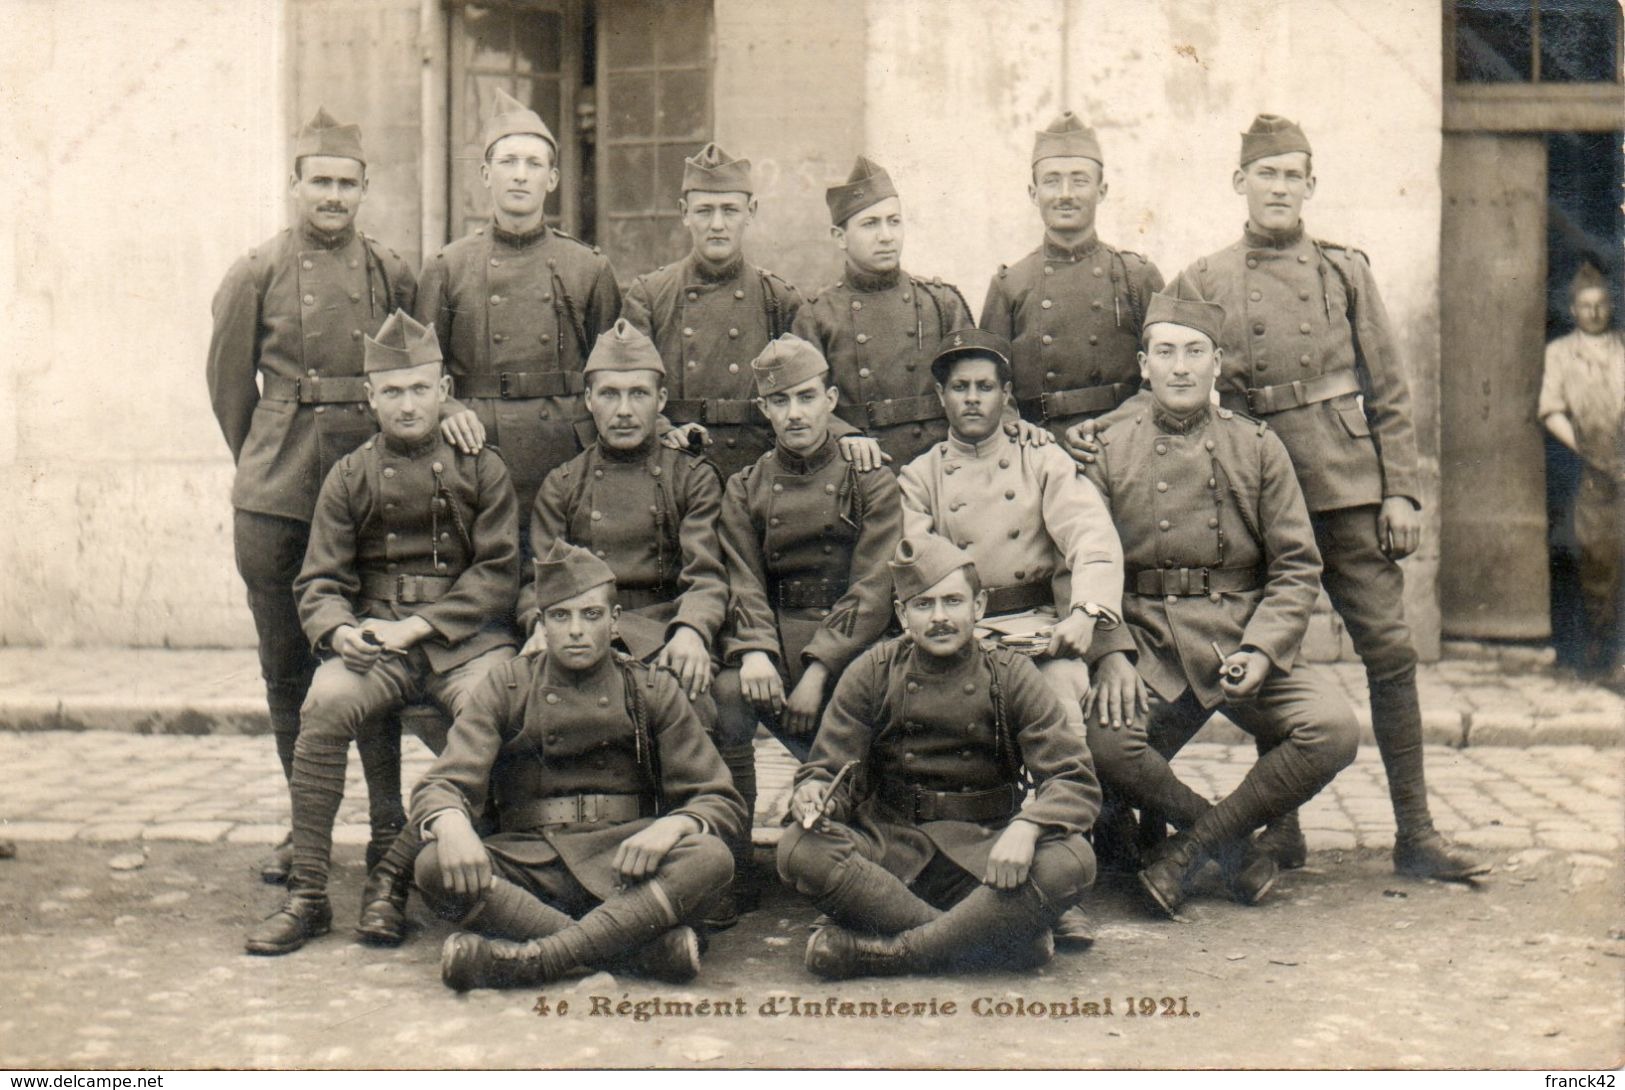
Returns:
(405, 590)
(315, 390)
(901, 410)
(1085, 399)
(643, 597)
(1262, 400)
(807, 593)
(1020, 597)
(924, 805)
(515, 385)
(572, 810)
(711, 410)
(1194, 582)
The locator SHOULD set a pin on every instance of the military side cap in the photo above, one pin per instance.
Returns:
(1067, 135)
(624, 347)
(401, 342)
(1588, 276)
(1193, 313)
(325, 136)
(711, 171)
(513, 118)
(566, 571)
(970, 341)
(786, 362)
(1272, 135)
(868, 184)
(920, 563)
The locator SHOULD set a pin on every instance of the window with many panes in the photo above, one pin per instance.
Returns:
(1532, 66)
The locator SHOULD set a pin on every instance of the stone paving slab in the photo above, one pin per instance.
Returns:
(1507, 698)
(106, 786)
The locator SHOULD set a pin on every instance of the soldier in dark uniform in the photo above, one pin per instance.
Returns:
(292, 313)
(806, 538)
(611, 799)
(648, 511)
(409, 583)
(1221, 577)
(1072, 308)
(878, 326)
(939, 858)
(518, 305)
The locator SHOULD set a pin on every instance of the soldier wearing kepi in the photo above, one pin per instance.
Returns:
(937, 857)
(1305, 339)
(518, 305)
(612, 804)
(711, 313)
(806, 538)
(878, 326)
(1072, 308)
(409, 583)
(645, 509)
(292, 313)
(1221, 578)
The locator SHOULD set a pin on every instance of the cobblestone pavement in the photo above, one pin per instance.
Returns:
(1477, 697)
(113, 786)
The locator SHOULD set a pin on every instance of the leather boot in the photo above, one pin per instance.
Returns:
(1073, 931)
(383, 906)
(1116, 836)
(673, 957)
(838, 953)
(740, 762)
(469, 961)
(301, 917)
(1430, 855)
(1248, 871)
(1282, 840)
(1165, 881)
(274, 868)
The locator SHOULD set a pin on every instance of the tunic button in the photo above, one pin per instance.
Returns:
(355, 297)
(355, 334)
(438, 468)
(1164, 525)
(1258, 328)
(1252, 262)
(1095, 305)
(970, 688)
(738, 293)
(1211, 483)
(552, 698)
(354, 264)
(1262, 365)
(1020, 575)
(733, 332)
(1162, 486)
(1162, 448)
(1305, 359)
(829, 489)
(1093, 339)
(913, 686)
(863, 338)
(552, 739)
(907, 297)
(499, 337)
(440, 566)
(1207, 444)
(445, 536)
(388, 472)
(964, 755)
(733, 369)
(693, 363)
(1213, 522)
(495, 262)
(774, 521)
(1046, 304)
(863, 372)
(548, 298)
(1213, 596)
(688, 331)
(1050, 375)
(542, 414)
(1048, 269)
(496, 300)
(390, 536)
(307, 264)
(312, 372)
(1255, 296)
(828, 549)
(692, 296)
(1047, 339)
(546, 337)
(777, 556)
(778, 487)
(1099, 271)
(603, 702)
(654, 471)
(321, 408)
(1303, 259)
(310, 300)
(909, 366)
(1171, 599)
(1004, 463)
(1304, 295)
(601, 553)
(1303, 327)
(1014, 534)
(857, 305)
(598, 516)
(598, 473)
(1009, 493)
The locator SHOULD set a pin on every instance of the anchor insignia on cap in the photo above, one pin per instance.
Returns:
(959, 342)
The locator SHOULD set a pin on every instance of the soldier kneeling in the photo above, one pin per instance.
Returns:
(938, 857)
(614, 806)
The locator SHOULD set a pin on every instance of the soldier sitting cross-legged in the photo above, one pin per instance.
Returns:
(934, 855)
(613, 806)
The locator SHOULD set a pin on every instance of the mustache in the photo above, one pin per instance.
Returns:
(942, 628)
(333, 207)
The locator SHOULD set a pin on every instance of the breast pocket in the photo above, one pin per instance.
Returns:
(1352, 414)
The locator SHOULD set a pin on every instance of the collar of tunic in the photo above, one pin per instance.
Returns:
(324, 240)
(556, 675)
(628, 457)
(984, 449)
(862, 281)
(927, 663)
(408, 449)
(518, 240)
(1169, 424)
(806, 463)
(703, 272)
(1272, 240)
(1055, 249)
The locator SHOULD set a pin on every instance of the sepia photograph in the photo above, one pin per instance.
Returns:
(795, 535)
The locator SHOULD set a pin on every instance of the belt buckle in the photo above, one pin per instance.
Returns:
(705, 411)
(1043, 407)
(400, 590)
(1253, 401)
(502, 384)
(582, 816)
(1297, 391)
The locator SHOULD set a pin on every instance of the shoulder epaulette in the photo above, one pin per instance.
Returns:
(577, 241)
(1338, 246)
(1136, 255)
(1201, 263)
(479, 230)
(1004, 271)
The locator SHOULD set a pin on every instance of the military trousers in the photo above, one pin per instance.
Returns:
(344, 705)
(270, 551)
(1308, 730)
(737, 718)
(1599, 526)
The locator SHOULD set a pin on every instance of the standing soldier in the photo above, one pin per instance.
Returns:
(518, 305)
(806, 538)
(645, 509)
(1221, 580)
(1308, 348)
(409, 583)
(1582, 403)
(944, 732)
(612, 805)
(1072, 308)
(878, 326)
(293, 313)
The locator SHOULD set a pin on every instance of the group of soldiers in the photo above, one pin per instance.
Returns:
(1113, 508)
